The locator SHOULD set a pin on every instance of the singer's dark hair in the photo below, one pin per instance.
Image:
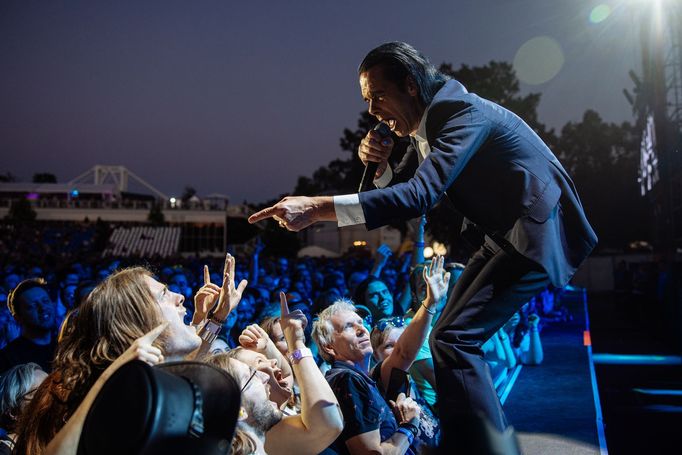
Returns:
(400, 60)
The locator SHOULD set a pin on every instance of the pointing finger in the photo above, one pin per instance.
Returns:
(154, 333)
(284, 306)
(207, 276)
(265, 213)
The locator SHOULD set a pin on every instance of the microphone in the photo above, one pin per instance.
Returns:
(371, 167)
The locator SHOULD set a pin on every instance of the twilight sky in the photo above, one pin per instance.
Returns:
(242, 96)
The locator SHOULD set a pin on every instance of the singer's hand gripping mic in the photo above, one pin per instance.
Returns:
(371, 167)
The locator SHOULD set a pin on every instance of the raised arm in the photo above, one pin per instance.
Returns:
(382, 255)
(411, 340)
(320, 421)
(253, 337)
(228, 299)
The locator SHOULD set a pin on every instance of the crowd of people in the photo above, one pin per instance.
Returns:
(331, 355)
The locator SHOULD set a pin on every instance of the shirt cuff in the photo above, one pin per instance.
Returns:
(348, 210)
(385, 179)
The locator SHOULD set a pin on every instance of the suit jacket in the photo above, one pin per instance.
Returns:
(500, 175)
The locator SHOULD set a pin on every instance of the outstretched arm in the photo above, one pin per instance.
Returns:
(411, 340)
(298, 212)
(320, 421)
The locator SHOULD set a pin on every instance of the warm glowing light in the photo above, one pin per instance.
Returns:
(600, 13)
(539, 60)
(428, 252)
(439, 249)
(359, 243)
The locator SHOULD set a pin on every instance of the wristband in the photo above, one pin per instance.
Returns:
(408, 434)
(432, 313)
(210, 330)
(412, 426)
(298, 354)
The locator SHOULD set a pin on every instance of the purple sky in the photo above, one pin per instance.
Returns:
(242, 97)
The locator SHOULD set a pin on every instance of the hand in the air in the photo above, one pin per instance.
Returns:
(436, 281)
(204, 298)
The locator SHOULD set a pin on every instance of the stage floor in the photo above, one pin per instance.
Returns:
(552, 406)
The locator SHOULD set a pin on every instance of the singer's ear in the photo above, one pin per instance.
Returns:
(411, 86)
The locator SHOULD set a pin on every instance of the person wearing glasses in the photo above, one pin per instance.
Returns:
(384, 336)
(262, 427)
(344, 341)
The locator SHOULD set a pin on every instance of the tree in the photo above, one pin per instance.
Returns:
(603, 160)
(7, 177)
(44, 177)
(20, 211)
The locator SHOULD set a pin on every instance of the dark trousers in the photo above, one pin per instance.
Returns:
(493, 286)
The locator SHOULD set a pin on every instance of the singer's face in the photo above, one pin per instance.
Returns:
(398, 107)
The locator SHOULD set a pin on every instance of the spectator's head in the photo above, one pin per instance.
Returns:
(273, 328)
(11, 281)
(335, 280)
(35, 272)
(384, 336)
(67, 294)
(340, 334)
(282, 265)
(258, 412)
(179, 280)
(83, 291)
(71, 279)
(355, 279)
(17, 386)
(9, 329)
(32, 308)
(405, 69)
(417, 285)
(125, 306)
(375, 295)
(280, 392)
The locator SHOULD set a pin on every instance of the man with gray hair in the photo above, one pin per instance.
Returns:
(343, 341)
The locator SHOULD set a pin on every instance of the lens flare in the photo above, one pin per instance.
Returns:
(539, 60)
(600, 13)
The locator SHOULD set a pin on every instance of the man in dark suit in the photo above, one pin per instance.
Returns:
(499, 174)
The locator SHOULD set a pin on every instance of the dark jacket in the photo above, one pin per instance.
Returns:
(500, 175)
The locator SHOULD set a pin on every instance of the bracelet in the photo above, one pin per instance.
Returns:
(210, 330)
(432, 313)
(298, 354)
(407, 433)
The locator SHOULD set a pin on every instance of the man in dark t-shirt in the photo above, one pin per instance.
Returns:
(369, 423)
(33, 310)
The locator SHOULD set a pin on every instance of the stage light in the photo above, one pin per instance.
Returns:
(428, 252)
(74, 192)
(359, 243)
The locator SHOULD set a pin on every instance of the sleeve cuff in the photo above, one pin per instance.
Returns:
(385, 179)
(348, 210)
